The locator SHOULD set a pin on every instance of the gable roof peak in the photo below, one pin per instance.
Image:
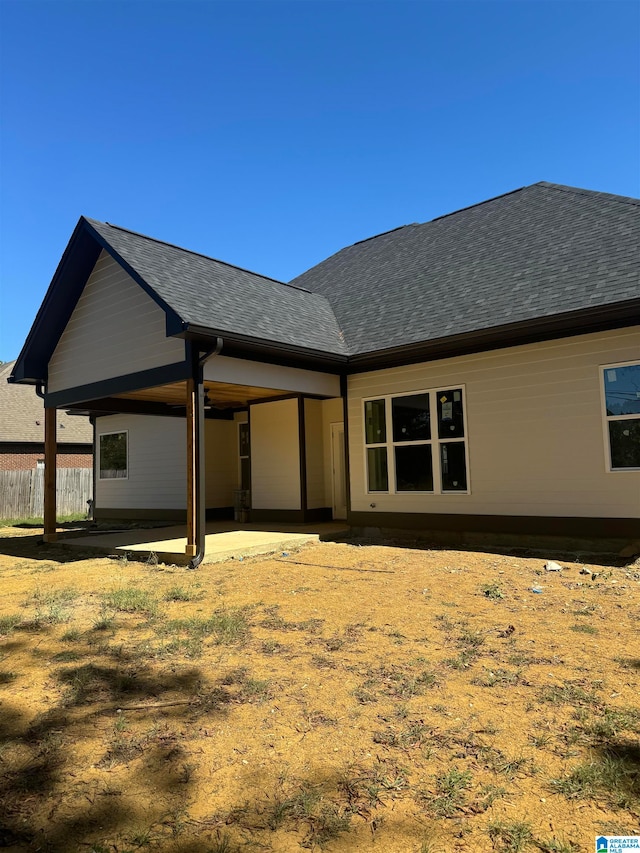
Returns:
(175, 246)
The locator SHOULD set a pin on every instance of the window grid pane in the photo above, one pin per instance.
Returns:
(622, 390)
(624, 440)
(377, 469)
(375, 422)
(450, 414)
(414, 468)
(411, 418)
(453, 466)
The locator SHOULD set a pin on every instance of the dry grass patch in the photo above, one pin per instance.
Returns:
(350, 698)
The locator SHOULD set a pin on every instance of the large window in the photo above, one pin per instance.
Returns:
(112, 459)
(417, 443)
(621, 392)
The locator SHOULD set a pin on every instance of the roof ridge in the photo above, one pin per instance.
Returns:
(477, 204)
(621, 199)
(414, 224)
(6, 367)
(200, 255)
(382, 234)
(344, 249)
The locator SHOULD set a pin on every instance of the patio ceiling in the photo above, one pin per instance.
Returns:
(220, 395)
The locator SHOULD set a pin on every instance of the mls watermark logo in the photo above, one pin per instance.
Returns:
(617, 843)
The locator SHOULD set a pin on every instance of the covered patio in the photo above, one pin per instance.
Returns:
(223, 540)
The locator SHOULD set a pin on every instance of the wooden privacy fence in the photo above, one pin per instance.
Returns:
(22, 492)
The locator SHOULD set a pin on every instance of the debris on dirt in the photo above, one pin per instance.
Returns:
(585, 570)
(537, 589)
(631, 550)
(507, 631)
(550, 566)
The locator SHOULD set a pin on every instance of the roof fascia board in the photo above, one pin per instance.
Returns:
(596, 319)
(173, 319)
(240, 346)
(61, 297)
(71, 397)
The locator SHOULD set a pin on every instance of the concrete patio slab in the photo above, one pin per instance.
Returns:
(223, 540)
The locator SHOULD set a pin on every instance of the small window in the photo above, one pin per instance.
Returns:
(621, 385)
(113, 456)
(244, 456)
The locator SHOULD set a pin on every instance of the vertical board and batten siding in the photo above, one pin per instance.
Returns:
(115, 329)
(156, 464)
(275, 455)
(221, 462)
(314, 453)
(535, 430)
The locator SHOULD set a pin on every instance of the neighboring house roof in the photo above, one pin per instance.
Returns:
(215, 295)
(22, 416)
(544, 260)
(541, 251)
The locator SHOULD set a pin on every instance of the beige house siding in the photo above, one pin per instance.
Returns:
(221, 462)
(157, 451)
(157, 463)
(240, 371)
(275, 455)
(314, 453)
(115, 329)
(535, 430)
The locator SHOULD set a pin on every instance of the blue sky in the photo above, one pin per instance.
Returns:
(272, 134)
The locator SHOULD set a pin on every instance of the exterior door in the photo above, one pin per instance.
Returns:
(338, 468)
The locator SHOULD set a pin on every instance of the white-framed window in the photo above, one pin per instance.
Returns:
(621, 412)
(113, 455)
(417, 443)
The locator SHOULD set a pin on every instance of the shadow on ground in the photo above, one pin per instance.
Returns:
(552, 552)
(45, 808)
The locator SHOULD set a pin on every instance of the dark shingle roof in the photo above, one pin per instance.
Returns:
(536, 252)
(218, 296)
(22, 415)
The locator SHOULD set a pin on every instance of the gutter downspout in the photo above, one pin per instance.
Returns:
(197, 374)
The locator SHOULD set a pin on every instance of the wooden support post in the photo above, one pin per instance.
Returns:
(50, 466)
(192, 462)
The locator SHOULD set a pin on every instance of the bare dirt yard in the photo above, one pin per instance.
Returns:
(345, 697)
